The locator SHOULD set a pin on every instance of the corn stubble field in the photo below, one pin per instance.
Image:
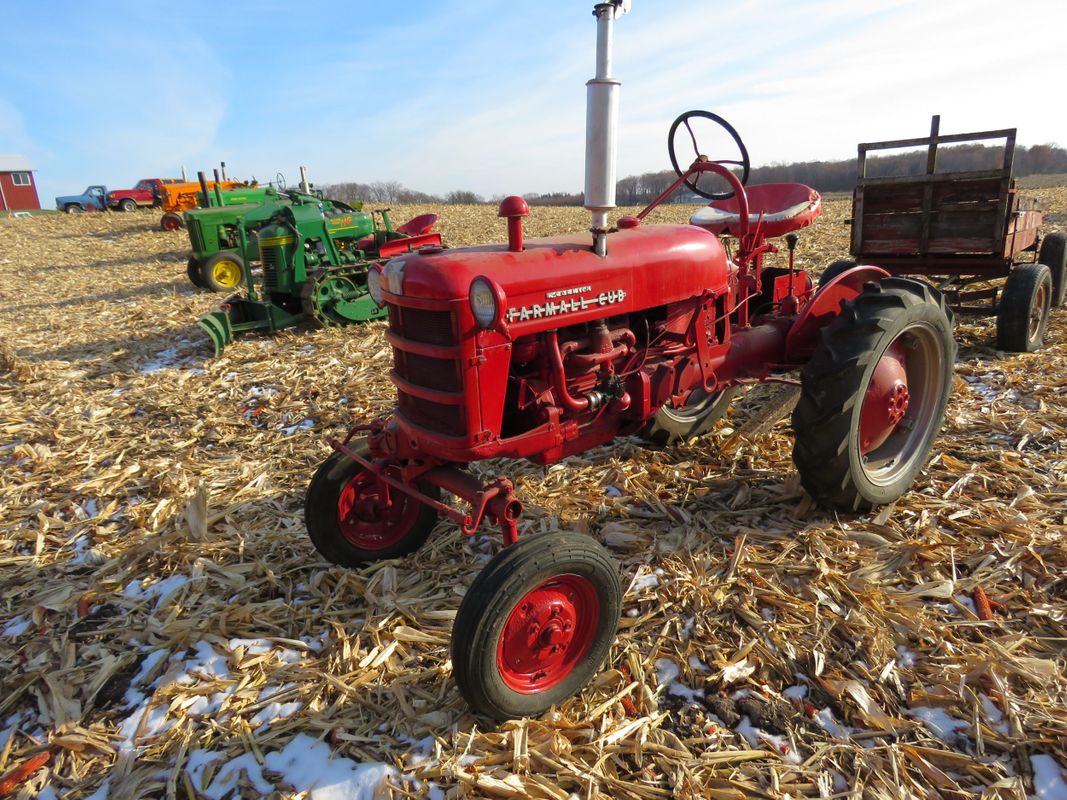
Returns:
(166, 628)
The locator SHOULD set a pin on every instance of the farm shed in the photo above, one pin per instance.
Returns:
(17, 189)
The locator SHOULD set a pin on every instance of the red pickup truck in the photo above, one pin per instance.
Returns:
(145, 194)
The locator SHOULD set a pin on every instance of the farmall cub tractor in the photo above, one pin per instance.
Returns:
(544, 348)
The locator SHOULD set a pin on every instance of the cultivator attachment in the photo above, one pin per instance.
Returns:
(241, 315)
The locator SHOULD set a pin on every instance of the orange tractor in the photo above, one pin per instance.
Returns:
(179, 197)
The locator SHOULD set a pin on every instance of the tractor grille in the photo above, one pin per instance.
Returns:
(196, 238)
(420, 326)
(433, 373)
(269, 257)
(434, 416)
(428, 327)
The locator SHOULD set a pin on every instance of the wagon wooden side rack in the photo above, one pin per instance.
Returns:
(971, 229)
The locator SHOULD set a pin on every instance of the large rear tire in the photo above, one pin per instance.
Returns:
(834, 269)
(536, 625)
(1053, 254)
(347, 521)
(1022, 315)
(874, 395)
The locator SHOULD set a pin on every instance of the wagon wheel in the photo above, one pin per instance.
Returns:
(684, 122)
(1022, 315)
(351, 520)
(535, 625)
(695, 418)
(222, 272)
(874, 395)
(1053, 254)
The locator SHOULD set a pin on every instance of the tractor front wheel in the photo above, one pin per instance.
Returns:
(1053, 254)
(127, 204)
(171, 222)
(873, 395)
(535, 625)
(192, 269)
(222, 272)
(353, 518)
(1022, 314)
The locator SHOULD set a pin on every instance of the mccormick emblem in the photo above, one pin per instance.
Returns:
(571, 300)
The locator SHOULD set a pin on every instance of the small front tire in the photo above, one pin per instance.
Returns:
(347, 522)
(171, 222)
(222, 272)
(536, 625)
(873, 395)
(1022, 315)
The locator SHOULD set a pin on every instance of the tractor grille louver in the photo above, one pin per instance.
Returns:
(196, 237)
(428, 327)
(427, 372)
(270, 259)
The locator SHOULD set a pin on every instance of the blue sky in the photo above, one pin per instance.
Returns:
(490, 96)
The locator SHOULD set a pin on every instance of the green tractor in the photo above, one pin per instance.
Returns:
(315, 257)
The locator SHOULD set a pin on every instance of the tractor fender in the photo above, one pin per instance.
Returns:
(825, 305)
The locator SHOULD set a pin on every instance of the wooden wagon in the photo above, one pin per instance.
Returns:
(972, 232)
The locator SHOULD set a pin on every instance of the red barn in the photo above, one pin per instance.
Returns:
(17, 190)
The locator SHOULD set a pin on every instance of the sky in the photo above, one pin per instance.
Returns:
(490, 96)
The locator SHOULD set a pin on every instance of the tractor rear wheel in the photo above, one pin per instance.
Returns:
(222, 272)
(834, 269)
(171, 222)
(536, 625)
(1022, 315)
(127, 204)
(873, 395)
(693, 419)
(192, 269)
(1053, 254)
(350, 524)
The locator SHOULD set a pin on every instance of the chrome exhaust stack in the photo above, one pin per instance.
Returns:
(602, 124)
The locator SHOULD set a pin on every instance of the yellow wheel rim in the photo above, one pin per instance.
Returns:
(226, 273)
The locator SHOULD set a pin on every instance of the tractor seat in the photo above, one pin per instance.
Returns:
(419, 225)
(782, 207)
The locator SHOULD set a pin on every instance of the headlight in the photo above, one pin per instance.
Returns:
(484, 302)
(374, 284)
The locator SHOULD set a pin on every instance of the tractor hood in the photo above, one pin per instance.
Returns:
(561, 278)
(222, 213)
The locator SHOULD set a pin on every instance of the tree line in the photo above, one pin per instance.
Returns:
(824, 176)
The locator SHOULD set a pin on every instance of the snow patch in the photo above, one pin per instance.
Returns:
(942, 725)
(1050, 779)
(16, 626)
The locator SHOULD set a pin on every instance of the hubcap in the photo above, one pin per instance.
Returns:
(371, 517)
(548, 633)
(899, 415)
(1037, 313)
(226, 273)
(170, 224)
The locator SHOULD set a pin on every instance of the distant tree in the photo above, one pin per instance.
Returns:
(463, 197)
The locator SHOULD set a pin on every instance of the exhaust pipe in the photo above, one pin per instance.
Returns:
(203, 189)
(601, 125)
(218, 191)
(223, 165)
(304, 186)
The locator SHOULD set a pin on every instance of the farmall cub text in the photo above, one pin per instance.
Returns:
(545, 348)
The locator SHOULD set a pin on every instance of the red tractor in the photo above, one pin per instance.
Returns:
(544, 348)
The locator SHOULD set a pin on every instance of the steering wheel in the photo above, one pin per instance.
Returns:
(683, 120)
(279, 181)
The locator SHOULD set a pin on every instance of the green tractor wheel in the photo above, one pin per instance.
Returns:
(192, 269)
(336, 297)
(222, 272)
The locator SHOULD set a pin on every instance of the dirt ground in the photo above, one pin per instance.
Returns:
(166, 628)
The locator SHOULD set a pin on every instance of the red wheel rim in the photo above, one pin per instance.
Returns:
(887, 398)
(373, 519)
(548, 634)
(170, 224)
